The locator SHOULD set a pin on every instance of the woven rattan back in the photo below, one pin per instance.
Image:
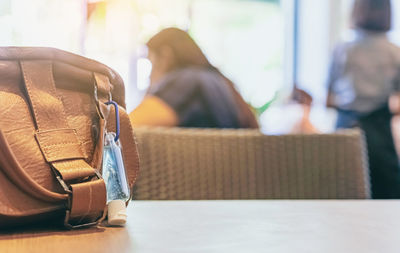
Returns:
(179, 164)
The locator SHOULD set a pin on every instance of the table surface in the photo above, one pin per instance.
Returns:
(230, 226)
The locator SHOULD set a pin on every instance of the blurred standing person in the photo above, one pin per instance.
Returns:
(186, 90)
(364, 74)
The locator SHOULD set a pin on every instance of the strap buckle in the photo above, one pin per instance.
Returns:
(97, 101)
(63, 184)
(67, 189)
(84, 225)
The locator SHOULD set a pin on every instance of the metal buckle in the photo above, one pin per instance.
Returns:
(67, 189)
(63, 184)
(97, 101)
(70, 226)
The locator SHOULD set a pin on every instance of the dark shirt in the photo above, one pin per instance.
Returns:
(200, 97)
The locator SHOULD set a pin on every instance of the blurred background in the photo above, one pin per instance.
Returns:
(264, 46)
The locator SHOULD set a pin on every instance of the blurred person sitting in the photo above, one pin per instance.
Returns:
(364, 74)
(186, 90)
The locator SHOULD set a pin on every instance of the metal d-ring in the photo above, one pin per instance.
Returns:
(97, 101)
(117, 127)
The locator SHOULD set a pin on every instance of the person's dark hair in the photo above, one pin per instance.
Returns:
(187, 54)
(186, 51)
(372, 15)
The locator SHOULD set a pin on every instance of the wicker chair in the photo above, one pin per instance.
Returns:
(181, 164)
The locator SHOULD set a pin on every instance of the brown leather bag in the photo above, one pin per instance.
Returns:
(52, 120)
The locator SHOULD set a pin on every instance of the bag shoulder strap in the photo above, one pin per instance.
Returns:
(61, 147)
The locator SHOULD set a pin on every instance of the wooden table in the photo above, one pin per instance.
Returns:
(230, 226)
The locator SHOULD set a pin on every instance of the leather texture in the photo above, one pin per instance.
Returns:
(51, 124)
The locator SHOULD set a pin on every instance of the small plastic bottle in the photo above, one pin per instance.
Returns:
(115, 178)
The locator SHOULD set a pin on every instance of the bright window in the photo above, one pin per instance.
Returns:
(48, 23)
(246, 39)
